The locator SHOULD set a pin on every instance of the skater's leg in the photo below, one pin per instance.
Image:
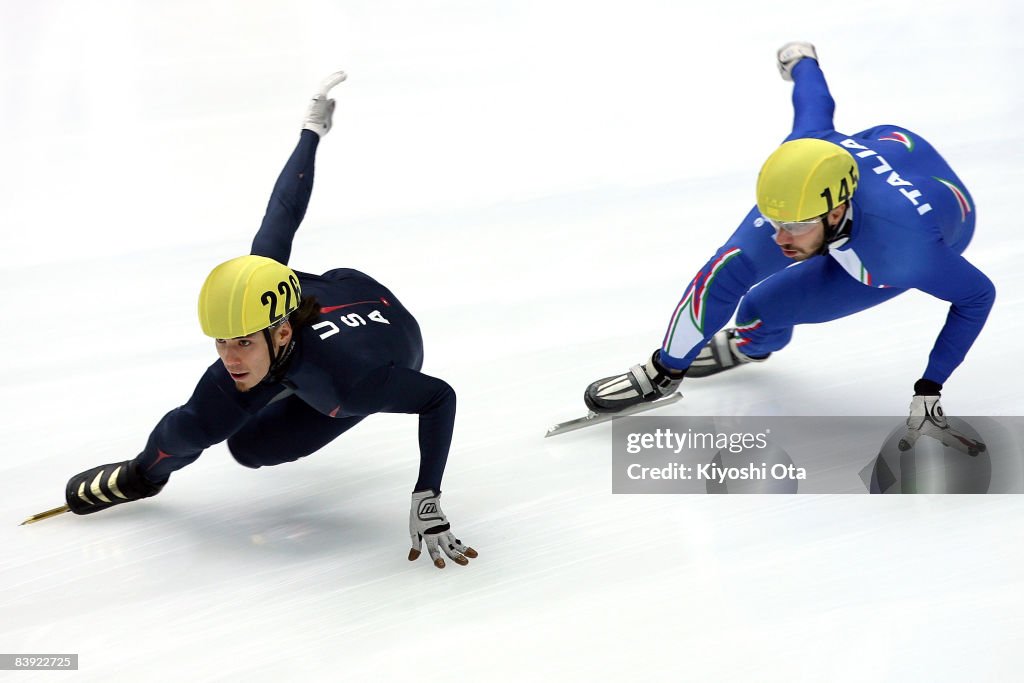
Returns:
(284, 432)
(814, 291)
(750, 256)
(288, 201)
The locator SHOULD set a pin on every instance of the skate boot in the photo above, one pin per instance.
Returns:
(641, 384)
(108, 485)
(721, 353)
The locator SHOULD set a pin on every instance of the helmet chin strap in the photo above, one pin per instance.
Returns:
(836, 236)
(279, 361)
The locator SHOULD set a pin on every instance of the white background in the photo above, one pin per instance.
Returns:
(538, 182)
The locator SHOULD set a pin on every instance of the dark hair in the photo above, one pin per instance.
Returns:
(308, 312)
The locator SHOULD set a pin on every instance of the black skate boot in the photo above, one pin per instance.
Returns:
(108, 485)
(641, 384)
(721, 354)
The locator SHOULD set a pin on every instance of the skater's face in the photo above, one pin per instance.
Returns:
(802, 246)
(804, 243)
(247, 359)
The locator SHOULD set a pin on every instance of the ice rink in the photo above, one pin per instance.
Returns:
(538, 182)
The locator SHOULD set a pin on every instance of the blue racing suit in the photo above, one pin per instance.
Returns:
(912, 218)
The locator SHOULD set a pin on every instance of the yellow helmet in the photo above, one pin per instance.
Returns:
(245, 295)
(804, 179)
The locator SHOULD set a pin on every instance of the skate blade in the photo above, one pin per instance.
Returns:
(592, 418)
(46, 515)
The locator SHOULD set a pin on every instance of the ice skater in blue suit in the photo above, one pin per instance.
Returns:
(842, 223)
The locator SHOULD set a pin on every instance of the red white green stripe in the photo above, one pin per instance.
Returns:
(693, 305)
(961, 198)
(741, 331)
(903, 138)
(852, 264)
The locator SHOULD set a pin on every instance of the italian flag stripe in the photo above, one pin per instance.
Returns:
(676, 316)
(961, 198)
(696, 296)
(746, 327)
(903, 138)
(700, 294)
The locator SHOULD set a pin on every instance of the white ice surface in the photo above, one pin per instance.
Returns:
(538, 182)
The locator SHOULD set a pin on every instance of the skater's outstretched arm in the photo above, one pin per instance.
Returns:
(938, 270)
(402, 390)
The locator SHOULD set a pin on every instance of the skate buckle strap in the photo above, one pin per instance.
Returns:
(723, 350)
(739, 355)
(642, 380)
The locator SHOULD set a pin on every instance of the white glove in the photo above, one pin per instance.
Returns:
(927, 418)
(321, 109)
(426, 520)
(791, 53)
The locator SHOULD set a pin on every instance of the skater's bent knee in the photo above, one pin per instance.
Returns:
(243, 456)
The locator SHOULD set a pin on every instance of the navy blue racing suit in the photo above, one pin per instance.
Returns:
(362, 356)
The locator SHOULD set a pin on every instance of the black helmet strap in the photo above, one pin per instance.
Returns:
(838, 233)
(278, 361)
